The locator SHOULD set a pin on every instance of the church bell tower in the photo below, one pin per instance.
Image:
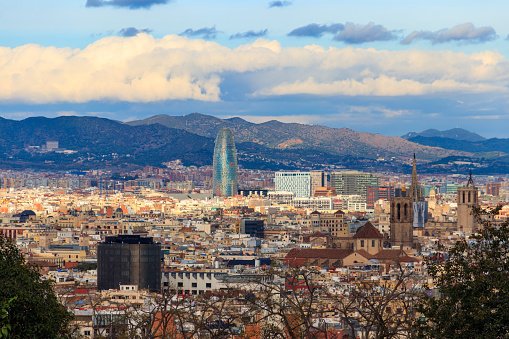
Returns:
(467, 199)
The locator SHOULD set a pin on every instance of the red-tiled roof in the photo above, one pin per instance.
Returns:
(42, 263)
(325, 253)
(390, 254)
(368, 231)
(318, 234)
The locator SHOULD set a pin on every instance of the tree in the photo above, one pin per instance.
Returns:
(384, 308)
(4, 313)
(35, 312)
(469, 297)
(289, 303)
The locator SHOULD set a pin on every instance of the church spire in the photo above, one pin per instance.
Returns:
(470, 182)
(415, 190)
(414, 173)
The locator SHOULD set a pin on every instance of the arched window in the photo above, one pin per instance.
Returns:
(463, 196)
(399, 211)
(469, 196)
(406, 212)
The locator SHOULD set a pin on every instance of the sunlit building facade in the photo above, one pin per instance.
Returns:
(225, 180)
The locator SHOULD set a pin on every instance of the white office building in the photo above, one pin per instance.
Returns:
(297, 182)
(314, 203)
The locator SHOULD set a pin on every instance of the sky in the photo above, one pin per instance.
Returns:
(378, 66)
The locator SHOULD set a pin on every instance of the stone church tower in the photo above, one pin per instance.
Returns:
(467, 198)
(402, 214)
(402, 218)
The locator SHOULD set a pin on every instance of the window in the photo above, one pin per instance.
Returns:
(372, 243)
(208, 285)
(180, 284)
(194, 285)
(86, 332)
(362, 243)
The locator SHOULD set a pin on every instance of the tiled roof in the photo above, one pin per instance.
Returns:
(390, 254)
(318, 234)
(326, 253)
(368, 231)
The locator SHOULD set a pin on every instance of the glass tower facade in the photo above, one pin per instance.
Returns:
(225, 180)
(353, 182)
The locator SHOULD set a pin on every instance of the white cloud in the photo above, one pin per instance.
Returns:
(351, 114)
(145, 69)
(67, 114)
(483, 117)
(381, 86)
(386, 112)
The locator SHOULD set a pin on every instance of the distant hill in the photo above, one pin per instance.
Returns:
(103, 143)
(455, 134)
(486, 145)
(278, 135)
(98, 141)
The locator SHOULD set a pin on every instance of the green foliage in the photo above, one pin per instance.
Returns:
(4, 313)
(33, 311)
(85, 266)
(472, 288)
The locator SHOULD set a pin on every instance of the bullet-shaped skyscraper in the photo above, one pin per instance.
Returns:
(225, 181)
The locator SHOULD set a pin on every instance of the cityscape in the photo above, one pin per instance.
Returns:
(175, 169)
(109, 240)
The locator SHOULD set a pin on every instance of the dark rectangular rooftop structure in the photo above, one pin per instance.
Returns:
(128, 239)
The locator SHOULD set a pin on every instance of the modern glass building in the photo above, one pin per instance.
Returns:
(225, 180)
(353, 182)
(297, 182)
(128, 260)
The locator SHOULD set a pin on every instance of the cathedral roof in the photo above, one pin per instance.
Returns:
(368, 231)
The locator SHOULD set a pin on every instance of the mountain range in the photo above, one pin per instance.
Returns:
(279, 135)
(98, 143)
(454, 133)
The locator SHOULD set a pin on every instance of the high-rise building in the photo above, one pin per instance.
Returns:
(225, 179)
(318, 179)
(375, 193)
(297, 182)
(493, 189)
(128, 260)
(353, 182)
